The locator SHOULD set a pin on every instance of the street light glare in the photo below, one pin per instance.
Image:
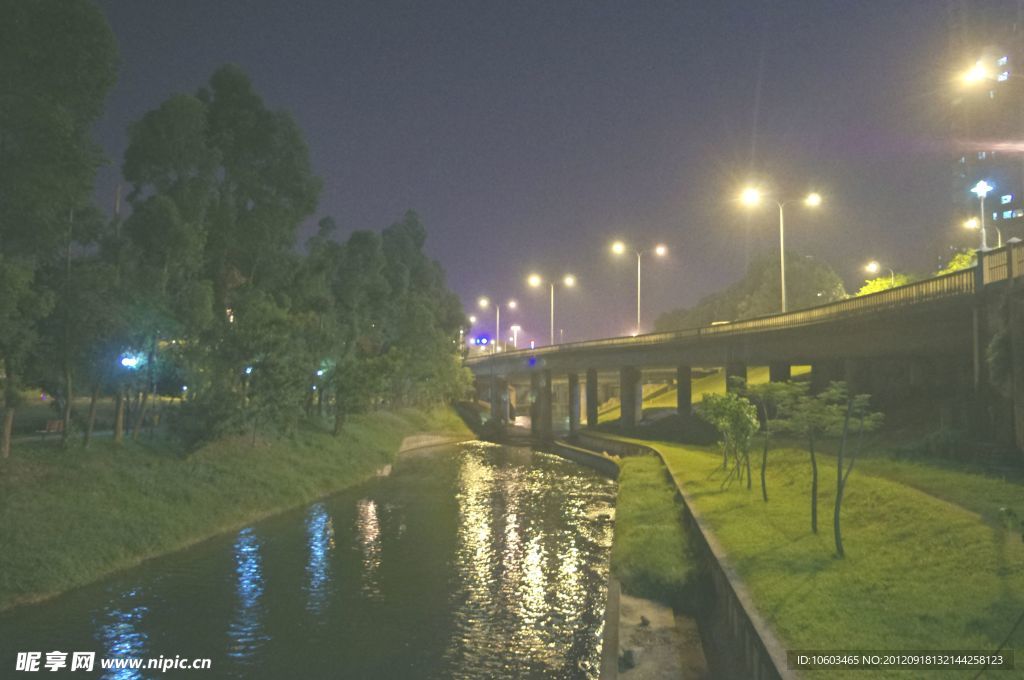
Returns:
(975, 74)
(660, 250)
(512, 304)
(813, 200)
(472, 319)
(618, 247)
(751, 196)
(569, 280)
(972, 223)
(534, 280)
(872, 267)
(981, 189)
(483, 302)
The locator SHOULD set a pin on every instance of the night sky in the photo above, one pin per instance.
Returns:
(529, 135)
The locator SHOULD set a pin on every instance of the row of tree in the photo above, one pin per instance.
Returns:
(788, 407)
(200, 292)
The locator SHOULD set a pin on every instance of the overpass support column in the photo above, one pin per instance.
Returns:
(592, 400)
(631, 396)
(544, 405)
(684, 390)
(779, 371)
(734, 369)
(857, 374)
(574, 402)
(499, 400)
(535, 404)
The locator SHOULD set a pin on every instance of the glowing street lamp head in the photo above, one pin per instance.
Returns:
(981, 189)
(872, 267)
(975, 74)
(618, 247)
(813, 200)
(751, 197)
(569, 280)
(472, 319)
(534, 280)
(972, 223)
(483, 303)
(512, 304)
(660, 250)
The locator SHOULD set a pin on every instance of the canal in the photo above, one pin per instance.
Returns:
(466, 561)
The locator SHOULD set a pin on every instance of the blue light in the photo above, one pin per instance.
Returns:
(248, 370)
(131, 361)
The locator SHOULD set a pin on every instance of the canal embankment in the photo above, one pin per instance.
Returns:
(70, 516)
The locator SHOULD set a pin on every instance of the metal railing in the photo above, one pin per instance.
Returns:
(957, 284)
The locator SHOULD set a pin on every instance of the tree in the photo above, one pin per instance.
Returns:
(735, 418)
(813, 417)
(960, 259)
(857, 409)
(771, 399)
(809, 282)
(57, 61)
(881, 283)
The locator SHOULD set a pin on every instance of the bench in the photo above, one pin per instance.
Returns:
(51, 427)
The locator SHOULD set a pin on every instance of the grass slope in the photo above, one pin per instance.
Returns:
(650, 555)
(69, 517)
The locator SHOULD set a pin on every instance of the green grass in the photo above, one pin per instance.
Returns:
(651, 556)
(922, 571)
(67, 517)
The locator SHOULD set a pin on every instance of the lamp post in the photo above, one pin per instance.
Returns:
(535, 281)
(484, 303)
(618, 248)
(752, 197)
(981, 190)
(874, 267)
(974, 223)
(515, 335)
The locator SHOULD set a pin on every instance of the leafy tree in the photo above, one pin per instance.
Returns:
(857, 409)
(771, 399)
(809, 282)
(881, 283)
(960, 259)
(735, 418)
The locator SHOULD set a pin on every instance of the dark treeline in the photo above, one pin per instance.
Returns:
(200, 292)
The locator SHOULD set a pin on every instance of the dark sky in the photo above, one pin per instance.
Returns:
(528, 135)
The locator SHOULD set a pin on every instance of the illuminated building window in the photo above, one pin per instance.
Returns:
(982, 155)
(1003, 77)
(1001, 61)
(1005, 198)
(1019, 212)
(1007, 214)
(995, 216)
(963, 160)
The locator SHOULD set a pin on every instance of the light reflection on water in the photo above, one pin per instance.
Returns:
(246, 629)
(320, 532)
(121, 633)
(368, 530)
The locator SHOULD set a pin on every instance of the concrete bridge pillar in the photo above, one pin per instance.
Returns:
(684, 390)
(534, 404)
(574, 402)
(544, 405)
(592, 400)
(857, 374)
(631, 396)
(499, 400)
(779, 371)
(734, 369)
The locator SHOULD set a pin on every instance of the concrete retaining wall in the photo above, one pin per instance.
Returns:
(737, 641)
(600, 462)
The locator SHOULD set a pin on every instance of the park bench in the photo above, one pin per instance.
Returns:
(51, 427)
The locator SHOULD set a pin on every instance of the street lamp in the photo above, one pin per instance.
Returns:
(535, 281)
(752, 197)
(973, 223)
(515, 335)
(484, 303)
(874, 267)
(618, 248)
(981, 190)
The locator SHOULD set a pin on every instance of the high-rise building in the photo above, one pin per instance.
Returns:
(986, 44)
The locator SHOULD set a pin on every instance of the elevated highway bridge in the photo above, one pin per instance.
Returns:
(926, 338)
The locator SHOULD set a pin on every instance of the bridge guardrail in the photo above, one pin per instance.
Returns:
(996, 267)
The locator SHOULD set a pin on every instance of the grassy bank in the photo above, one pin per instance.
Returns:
(650, 555)
(68, 517)
(928, 565)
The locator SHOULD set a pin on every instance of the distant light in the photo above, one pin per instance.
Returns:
(320, 372)
(534, 280)
(516, 328)
(813, 200)
(1003, 77)
(660, 250)
(248, 370)
(472, 319)
(618, 247)
(184, 388)
(751, 196)
(483, 302)
(981, 189)
(512, 304)
(569, 280)
(976, 73)
(972, 223)
(314, 388)
(129, 361)
(634, 333)
(533, 345)
(872, 267)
